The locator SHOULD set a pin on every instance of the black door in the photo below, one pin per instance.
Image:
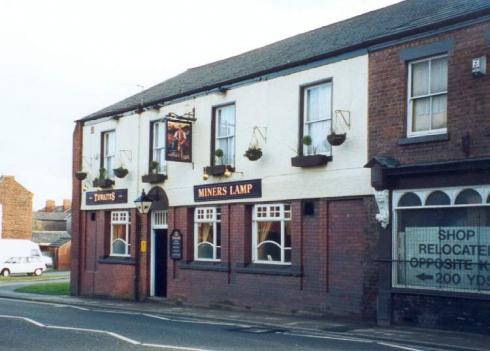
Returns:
(160, 262)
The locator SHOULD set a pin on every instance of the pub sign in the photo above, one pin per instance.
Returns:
(106, 197)
(178, 141)
(231, 190)
(176, 245)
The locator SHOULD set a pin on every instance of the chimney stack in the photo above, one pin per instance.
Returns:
(66, 204)
(50, 206)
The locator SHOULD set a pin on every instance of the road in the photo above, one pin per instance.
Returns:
(40, 326)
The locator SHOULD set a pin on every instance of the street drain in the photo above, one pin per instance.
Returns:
(258, 330)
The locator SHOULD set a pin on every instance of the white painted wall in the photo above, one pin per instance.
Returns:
(273, 104)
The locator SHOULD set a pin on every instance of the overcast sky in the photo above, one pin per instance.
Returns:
(61, 60)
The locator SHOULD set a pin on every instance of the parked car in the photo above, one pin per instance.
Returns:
(32, 265)
(48, 260)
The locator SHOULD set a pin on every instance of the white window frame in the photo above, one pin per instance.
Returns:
(423, 194)
(410, 100)
(207, 215)
(285, 216)
(222, 137)
(159, 131)
(328, 119)
(120, 217)
(108, 154)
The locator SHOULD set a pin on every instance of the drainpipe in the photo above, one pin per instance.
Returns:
(139, 218)
(137, 256)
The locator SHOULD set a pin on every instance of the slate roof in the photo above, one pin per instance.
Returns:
(53, 238)
(49, 216)
(404, 18)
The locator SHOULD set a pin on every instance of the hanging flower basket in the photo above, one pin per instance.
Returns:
(121, 172)
(336, 139)
(253, 153)
(80, 175)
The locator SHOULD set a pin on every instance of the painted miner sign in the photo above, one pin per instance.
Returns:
(444, 258)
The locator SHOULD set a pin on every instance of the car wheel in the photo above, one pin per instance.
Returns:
(38, 272)
(5, 273)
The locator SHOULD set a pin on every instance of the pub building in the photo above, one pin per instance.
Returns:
(243, 183)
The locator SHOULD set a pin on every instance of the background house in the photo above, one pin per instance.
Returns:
(51, 229)
(15, 209)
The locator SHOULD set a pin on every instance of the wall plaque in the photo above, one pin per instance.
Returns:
(176, 245)
(230, 190)
(107, 197)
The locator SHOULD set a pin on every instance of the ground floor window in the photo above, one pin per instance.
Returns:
(207, 234)
(120, 222)
(271, 242)
(441, 239)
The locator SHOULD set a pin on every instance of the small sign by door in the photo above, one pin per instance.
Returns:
(176, 245)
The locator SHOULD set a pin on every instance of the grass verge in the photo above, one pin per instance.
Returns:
(29, 278)
(46, 289)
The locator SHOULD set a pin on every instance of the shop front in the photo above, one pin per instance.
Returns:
(440, 242)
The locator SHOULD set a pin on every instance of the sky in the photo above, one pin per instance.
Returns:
(62, 60)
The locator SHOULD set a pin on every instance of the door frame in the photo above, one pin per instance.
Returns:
(159, 220)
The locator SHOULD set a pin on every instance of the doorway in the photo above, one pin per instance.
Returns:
(160, 272)
(159, 250)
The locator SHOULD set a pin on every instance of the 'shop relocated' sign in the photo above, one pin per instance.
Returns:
(451, 258)
(230, 190)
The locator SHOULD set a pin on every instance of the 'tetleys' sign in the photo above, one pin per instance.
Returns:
(106, 197)
(231, 190)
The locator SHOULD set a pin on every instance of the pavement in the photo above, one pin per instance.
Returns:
(329, 327)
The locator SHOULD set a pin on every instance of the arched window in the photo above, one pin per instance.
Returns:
(409, 199)
(437, 198)
(468, 196)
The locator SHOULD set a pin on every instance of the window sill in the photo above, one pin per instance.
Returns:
(103, 183)
(154, 178)
(423, 139)
(204, 266)
(268, 269)
(219, 170)
(441, 293)
(310, 161)
(117, 260)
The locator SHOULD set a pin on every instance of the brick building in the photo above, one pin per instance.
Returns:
(15, 210)
(429, 146)
(51, 229)
(290, 231)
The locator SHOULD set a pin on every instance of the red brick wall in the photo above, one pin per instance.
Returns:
(468, 100)
(76, 214)
(334, 249)
(64, 257)
(17, 209)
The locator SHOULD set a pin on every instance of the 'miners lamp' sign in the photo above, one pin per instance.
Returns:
(230, 190)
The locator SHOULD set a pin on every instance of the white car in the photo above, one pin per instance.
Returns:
(48, 261)
(22, 265)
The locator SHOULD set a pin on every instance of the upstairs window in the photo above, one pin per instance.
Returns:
(109, 152)
(317, 116)
(207, 234)
(120, 233)
(225, 134)
(158, 147)
(427, 96)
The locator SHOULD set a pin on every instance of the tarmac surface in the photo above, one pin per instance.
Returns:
(214, 329)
